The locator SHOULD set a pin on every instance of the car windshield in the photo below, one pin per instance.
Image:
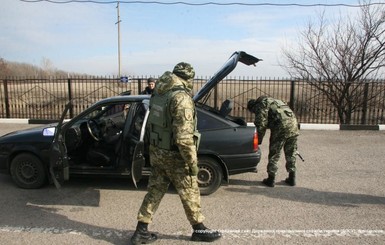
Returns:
(107, 111)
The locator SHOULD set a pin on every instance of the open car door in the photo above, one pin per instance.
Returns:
(59, 168)
(134, 135)
(138, 162)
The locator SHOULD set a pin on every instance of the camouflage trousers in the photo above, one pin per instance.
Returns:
(169, 167)
(289, 145)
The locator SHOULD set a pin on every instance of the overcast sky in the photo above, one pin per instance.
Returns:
(83, 37)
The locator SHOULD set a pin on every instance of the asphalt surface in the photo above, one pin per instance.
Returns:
(339, 199)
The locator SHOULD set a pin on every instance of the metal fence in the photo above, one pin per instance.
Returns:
(45, 99)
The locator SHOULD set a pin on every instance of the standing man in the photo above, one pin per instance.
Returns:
(279, 118)
(150, 86)
(173, 143)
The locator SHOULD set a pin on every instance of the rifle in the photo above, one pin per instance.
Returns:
(299, 155)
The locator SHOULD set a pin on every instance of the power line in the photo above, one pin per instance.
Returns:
(208, 3)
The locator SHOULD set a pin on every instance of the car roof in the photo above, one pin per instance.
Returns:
(123, 98)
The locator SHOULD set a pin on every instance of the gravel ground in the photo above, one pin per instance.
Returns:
(339, 199)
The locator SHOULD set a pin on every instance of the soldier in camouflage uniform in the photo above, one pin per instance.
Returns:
(279, 118)
(173, 153)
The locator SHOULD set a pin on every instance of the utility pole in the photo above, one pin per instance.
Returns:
(118, 23)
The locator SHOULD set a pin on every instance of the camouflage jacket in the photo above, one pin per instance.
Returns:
(277, 116)
(181, 112)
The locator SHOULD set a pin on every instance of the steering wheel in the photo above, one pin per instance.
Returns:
(94, 129)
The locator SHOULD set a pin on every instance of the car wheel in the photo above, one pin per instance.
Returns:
(210, 175)
(28, 171)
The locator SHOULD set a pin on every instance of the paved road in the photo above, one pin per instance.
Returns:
(340, 199)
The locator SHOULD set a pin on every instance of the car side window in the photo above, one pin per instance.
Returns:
(207, 121)
(138, 119)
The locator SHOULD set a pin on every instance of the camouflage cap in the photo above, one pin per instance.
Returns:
(250, 104)
(260, 98)
(184, 70)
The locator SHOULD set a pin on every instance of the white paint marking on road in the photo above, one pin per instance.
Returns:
(227, 234)
(303, 233)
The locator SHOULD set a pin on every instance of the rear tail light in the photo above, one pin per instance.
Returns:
(255, 141)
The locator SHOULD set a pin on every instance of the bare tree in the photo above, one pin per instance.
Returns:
(4, 71)
(48, 68)
(338, 59)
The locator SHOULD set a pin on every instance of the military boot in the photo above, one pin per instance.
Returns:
(291, 179)
(203, 234)
(269, 181)
(142, 236)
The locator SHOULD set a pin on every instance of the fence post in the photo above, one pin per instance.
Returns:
(139, 85)
(365, 103)
(216, 97)
(71, 110)
(6, 99)
(292, 95)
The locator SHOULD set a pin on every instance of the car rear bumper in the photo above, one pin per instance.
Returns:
(241, 163)
(3, 165)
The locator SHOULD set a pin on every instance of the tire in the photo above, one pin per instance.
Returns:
(28, 172)
(210, 175)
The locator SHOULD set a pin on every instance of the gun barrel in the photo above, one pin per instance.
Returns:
(298, 154)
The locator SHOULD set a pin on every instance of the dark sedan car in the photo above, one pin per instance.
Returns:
(108, 139)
